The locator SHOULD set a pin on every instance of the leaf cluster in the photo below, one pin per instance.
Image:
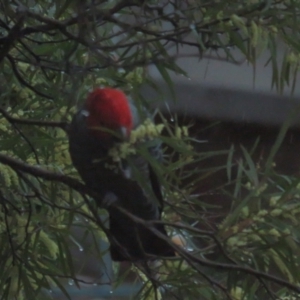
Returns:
(52, 53)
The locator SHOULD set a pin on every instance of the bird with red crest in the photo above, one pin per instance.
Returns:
(106, 119)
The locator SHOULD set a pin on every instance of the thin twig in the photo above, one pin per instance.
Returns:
(190, 258)
(22, 80)
(63, 125)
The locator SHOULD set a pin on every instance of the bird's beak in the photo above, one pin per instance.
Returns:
(124, 133)
(85, 112)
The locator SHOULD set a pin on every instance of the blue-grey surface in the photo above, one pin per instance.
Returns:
(211, 102)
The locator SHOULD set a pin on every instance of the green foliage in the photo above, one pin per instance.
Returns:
(52, 53)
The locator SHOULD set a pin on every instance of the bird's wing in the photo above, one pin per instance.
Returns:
(90, 157)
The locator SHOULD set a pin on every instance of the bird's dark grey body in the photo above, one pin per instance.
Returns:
(130, 240)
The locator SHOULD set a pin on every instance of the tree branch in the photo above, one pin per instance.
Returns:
(47, 175)
(190, 258)
(22, 80)
(14, 33)
(63, 125)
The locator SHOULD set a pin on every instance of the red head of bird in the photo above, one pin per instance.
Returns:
(108, 108)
